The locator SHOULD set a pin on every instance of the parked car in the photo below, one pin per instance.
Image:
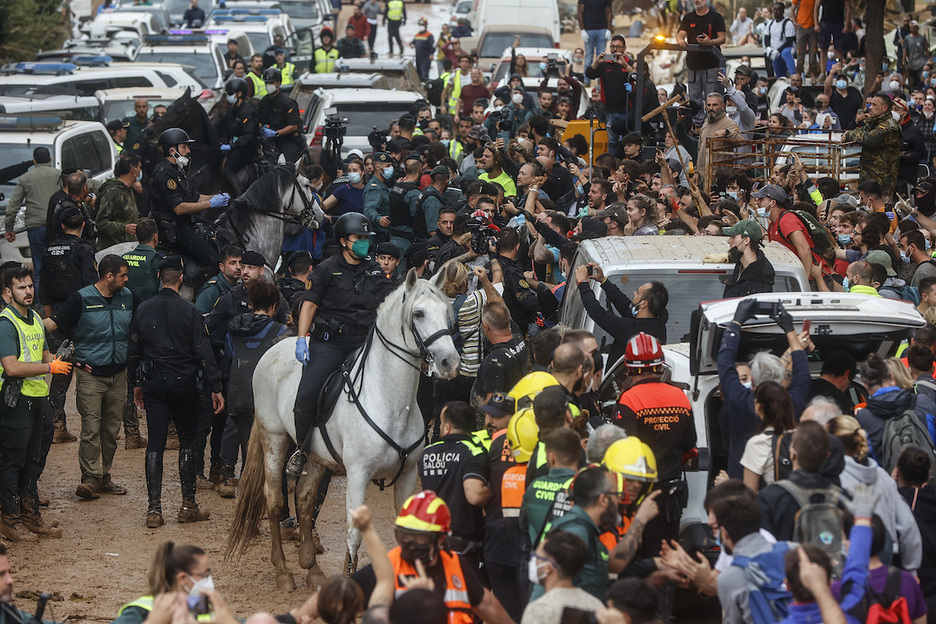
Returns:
(77, 107)
(69, 79)
(496, 39)
(543, 14)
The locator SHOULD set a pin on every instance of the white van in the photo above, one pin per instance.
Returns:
(542, 13)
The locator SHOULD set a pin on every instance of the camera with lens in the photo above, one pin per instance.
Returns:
(377, 139)
(335, 126)
(498, 116)
(482, 235)
(552, 64)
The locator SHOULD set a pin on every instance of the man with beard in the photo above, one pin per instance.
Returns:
(421, 531)
(661, 416)
(596, 498)
(753, 272)
(717, 126)
(880, 139)
(8, 612)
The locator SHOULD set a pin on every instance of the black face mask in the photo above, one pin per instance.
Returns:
(734, 254)
(423, 124)
(926, 204)
(423, 552)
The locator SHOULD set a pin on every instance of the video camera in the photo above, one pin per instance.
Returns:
(482, 235)
(552, 64)
(377, 139)
(334, 127)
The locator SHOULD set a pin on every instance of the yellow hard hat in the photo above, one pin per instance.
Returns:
(633, 459)
(522, 435)
(529, 386)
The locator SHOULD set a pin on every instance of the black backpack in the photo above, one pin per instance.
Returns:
(824, 245)
(780, 444)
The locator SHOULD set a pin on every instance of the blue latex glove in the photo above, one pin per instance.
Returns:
(268, 132)
(226, 148)
(220, 200)
(302, 351)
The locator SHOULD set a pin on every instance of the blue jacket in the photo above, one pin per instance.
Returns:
(743, 421)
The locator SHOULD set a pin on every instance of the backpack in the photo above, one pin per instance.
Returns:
(780, 444)
(768, 596)
(888, 607)
(902, 431)
(905, 292)
(824, 245)
(819, 520)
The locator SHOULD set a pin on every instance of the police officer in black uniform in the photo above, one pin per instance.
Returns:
(279, 117)
(168, 350)
(240, 127)
(337, 312)
(293, 286)
(173, 202)
(519, 297)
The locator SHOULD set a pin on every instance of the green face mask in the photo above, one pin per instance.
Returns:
(360, 247)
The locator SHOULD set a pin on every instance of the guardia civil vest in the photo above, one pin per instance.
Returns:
(455, 148)
(103, 329)
(456, 590)
(325, 60)
(31, 340)
(395, 10)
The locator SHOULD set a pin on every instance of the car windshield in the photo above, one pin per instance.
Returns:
(202, 63)
(122, 109)
(363, 116)
(300, 10)
(495, 43)
(533, 71)
(259, 40)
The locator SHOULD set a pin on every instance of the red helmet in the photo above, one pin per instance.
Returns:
(643, 351)
(425, 513)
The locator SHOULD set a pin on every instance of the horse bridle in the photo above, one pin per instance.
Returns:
(306, 217)
(422, 344)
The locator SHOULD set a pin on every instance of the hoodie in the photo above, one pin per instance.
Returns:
(894, 512)
(889, 402)
(253, 329)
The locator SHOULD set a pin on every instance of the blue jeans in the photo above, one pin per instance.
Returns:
(701, 83)
(37, 247)
(614, 139)
(595, 46)
(784, 64)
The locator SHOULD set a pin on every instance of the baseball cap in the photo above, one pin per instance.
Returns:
(771, 191)
(744, 70)
(550, 403)
(923, 187)
(479, 133)
(355, 153)
(499, 405)
(747, 227)
(593, 226)
(279, 51)
(389, 249)
(881, 257)
(116, 124)
(848, 200)
(171, 262)
(383, 158)
(253, 258)
(69, 212)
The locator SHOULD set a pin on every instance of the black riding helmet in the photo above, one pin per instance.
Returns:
(172, 138)
(272, 74)
(353, 223)
(235, 85)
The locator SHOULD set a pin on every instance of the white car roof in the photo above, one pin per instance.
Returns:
(47, 135)
(131, 93)
(371, 95)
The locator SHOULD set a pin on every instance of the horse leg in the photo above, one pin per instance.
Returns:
(357, 485)
(275, 457)
(306, 490)
(405, 485)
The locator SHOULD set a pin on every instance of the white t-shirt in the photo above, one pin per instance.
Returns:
(777, 32)
(758, 455)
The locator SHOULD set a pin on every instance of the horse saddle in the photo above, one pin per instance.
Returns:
(328, 396)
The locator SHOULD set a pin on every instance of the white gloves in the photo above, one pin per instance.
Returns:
(607, 35)
(584, 36)
(771, 53)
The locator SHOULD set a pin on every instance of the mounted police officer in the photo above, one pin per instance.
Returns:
(337, 312)
(241, 128)
(168, 346)
(279, 116)
(173, 202)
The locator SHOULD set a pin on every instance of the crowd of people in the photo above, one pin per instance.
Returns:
(538, 501)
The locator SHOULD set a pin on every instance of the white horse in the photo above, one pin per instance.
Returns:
(257, 219)
(376, 431)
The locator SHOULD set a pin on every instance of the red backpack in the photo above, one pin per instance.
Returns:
(888, 607)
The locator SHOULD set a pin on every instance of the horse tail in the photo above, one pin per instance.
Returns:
(251, 501)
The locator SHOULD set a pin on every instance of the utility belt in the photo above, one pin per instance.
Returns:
(401, 233)
(675, 497)
(332, 329)
(462, 546)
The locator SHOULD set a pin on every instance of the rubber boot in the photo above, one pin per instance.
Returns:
(190, 511)
(154, 470)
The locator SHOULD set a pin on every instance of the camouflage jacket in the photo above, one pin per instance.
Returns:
(880, 150)
(116, 209)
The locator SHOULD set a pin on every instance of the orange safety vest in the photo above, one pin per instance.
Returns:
(456, 590)
(611, 537)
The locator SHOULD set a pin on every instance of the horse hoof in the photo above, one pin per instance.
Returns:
(285, 581)
(319, 549)
(307, 554)
(315, 577)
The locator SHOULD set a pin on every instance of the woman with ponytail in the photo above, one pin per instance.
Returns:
(894, 512)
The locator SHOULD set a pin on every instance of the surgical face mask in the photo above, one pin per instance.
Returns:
(181, 161)
(904, 256)
(845, 284)
(203, 583)
(894, 85)
(270, 87)
(360, 247)
(840, 84)
(445, 142)
(761, 90)
(831, 55)
(544, 68)
(746, 384)
(635, 309)
(139, 176)
(578, 59)
(354, 177)
(896, 116)
(579, 189)
(497, 109)
(387, 173)
(844, 238)
(733, 194)
(926, 75)
(762, 212)
(534, 574)
(232, 98)
(516, 98)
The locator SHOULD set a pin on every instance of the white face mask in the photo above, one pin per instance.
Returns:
(354, 177)
(533, 571)
(497, 109)
(387, 172)
(831, 55)
(516, 98)
(232, 98)
(270, 87)
(896, 116)
(894, 85)
(181, 161)
(763, 212)
(202, 583)
(139, 176)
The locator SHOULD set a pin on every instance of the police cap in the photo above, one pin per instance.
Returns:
(116, 124)
(272, 74)
(389, 249)
(499, 405)
(253, 258)
(69, 212)
(440, 170)
(383, 158)
(169, 263)
(298, 255)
